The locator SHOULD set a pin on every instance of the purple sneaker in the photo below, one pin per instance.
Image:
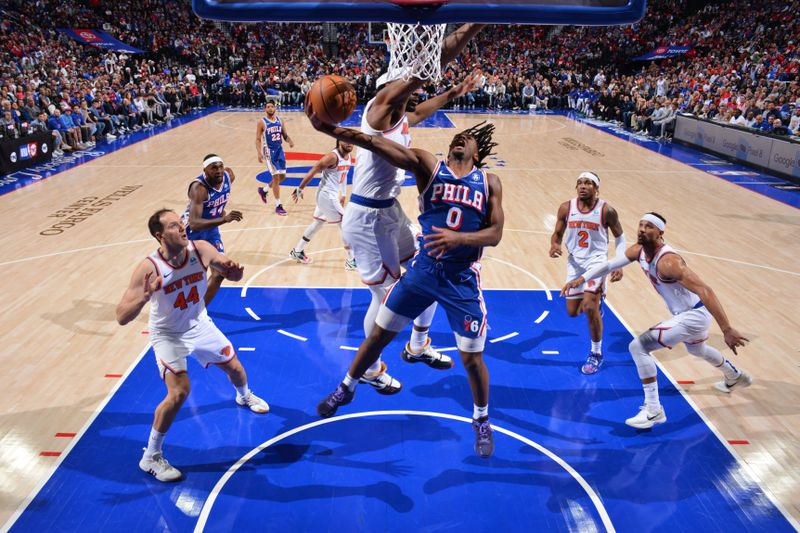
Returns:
(263, 193)
(484, 441)
(279, 210)
(341, 396)
(592, 364)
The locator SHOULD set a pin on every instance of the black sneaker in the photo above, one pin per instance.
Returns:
(341, 396)
(382, 382)
(484, 441)
(429, 356)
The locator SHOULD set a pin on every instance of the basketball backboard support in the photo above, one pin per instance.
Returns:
(571, 12)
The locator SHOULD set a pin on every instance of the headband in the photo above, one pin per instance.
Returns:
(591, 176)
(211, 160)
(654, 220)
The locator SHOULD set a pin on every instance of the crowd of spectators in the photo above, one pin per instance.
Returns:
(743, 67)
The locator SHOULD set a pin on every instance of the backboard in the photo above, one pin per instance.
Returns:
(574, 12)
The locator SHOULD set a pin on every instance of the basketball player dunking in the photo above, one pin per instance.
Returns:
(692, 304)
(270, 134)
(461, 212)
(374, 224)
(208, 197)
(173, 280)
(335, 166)
(586, 220)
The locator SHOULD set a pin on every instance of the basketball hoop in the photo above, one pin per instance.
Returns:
(415, 50)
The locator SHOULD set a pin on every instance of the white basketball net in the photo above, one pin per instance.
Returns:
(415, 51)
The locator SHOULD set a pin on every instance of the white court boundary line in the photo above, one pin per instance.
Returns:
(74, 442)
(741, 462)
(212, 497)
(539, 281)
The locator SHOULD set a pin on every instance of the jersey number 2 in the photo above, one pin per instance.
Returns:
(183, 301)
(583, 239)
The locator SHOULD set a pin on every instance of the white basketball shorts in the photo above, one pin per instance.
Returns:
(204, 341)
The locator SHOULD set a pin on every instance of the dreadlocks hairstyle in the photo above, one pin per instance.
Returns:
(483, 136)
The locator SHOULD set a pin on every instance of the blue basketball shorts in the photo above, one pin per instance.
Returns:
(456, 288)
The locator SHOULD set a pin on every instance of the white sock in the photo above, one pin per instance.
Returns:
(350, 382)
(730, 371)
(349, 252)
(301, 245)
(597, 347)
(374, 369)
(154, 443)
(242, 391)
(479, 412)
(278, 203)
(418, 340)
(651, 395)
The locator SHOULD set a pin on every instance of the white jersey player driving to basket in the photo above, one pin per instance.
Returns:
(374, 224)
(692, 304)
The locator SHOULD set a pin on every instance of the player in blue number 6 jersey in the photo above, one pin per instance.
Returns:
(461, 212)
(208, 196)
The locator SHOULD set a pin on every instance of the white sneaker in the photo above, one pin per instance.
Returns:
(647, 418)
(727, 386)
(111, 137)
(159, 468)
(256, 404)
(382, 382)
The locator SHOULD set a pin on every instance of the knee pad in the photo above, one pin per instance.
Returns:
(640, 351)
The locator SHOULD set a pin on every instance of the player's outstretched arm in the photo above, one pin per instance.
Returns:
(558, 233)
(612, 222)
(618, 262)
(672, 267)
(197, 195)
(430, 106)
(327, 161)
(212, 257)
(144, 282)
(443, 239)
(419, 162)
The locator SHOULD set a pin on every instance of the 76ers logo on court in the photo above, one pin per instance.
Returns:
(470, 324)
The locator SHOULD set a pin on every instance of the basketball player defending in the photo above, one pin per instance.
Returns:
(173, 280)
(374, 224)
(692, 304)
(208, 196)
(331, 192)
(270, 133)
(462, 212)
(586, 220)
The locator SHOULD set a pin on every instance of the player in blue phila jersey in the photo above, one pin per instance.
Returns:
(461, 212)
(270, 133)
(208, 196)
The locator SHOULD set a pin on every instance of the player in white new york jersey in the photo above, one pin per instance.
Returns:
(173, 279)
(692, 304)
(583, 224)
(374, 224)
(331, 192)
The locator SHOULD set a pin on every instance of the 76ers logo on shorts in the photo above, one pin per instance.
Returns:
(470, 324)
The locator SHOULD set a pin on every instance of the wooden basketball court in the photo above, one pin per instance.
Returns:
(63, 273)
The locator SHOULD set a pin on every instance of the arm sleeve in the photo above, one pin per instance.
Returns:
(618, 262)
(619, 243)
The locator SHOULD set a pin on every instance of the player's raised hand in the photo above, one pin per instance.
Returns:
(616, 275)
(232, 216)
(571, 285)
(440, 241)
(555, 250)
(468, 85)
(231, 270)
(148, 287)
(734, 339)
(297, 194)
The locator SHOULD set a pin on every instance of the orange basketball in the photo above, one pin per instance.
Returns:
(332, 98)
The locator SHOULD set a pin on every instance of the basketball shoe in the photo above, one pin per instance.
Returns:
(592, 364)
(300, 257)
(256, 404)
(159, 468)
(743, 380)
(263, 192)
(428, 355)
(647, 417)
(350, 264)
(484, 440)
(341, 396)
(382, 382)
